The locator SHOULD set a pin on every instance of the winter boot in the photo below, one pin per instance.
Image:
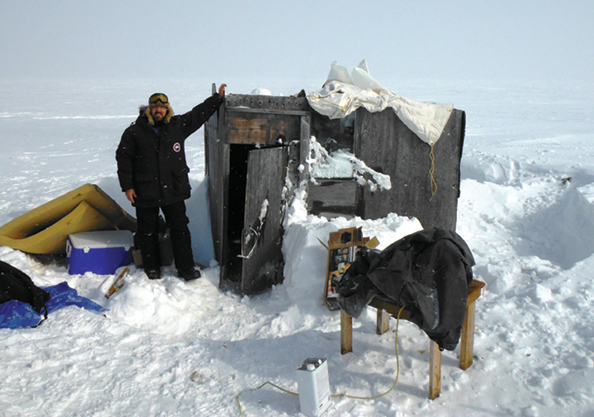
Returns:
(153, 273)
(189, 274)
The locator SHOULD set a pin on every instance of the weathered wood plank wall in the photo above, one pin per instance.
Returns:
(385, 144)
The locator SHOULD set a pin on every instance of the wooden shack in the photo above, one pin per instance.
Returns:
(257, 150)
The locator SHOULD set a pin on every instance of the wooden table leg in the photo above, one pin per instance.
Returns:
(434, 370)
(383, 321)
(346, 333)
(467, 338)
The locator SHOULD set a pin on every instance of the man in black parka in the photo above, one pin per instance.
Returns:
(153, 173)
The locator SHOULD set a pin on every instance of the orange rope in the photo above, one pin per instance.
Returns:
(432, 173)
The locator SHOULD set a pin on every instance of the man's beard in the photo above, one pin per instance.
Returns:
(159, 121)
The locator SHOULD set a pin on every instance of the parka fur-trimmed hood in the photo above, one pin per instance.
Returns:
(146, 111)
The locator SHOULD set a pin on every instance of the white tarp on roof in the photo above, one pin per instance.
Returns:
(348, 88)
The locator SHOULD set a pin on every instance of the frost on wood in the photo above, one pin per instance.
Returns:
(343, 164)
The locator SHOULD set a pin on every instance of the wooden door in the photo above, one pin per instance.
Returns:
(262, 235)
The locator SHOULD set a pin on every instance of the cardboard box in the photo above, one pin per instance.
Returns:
(100, 252)
(342, 249)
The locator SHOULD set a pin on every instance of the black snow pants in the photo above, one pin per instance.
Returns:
(148, 236)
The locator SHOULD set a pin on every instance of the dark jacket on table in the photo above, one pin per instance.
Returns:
(154, 164)
(428, 272)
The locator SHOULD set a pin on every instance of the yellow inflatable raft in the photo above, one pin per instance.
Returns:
(44, 230)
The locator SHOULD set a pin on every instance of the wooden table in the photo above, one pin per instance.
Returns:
(386, 309)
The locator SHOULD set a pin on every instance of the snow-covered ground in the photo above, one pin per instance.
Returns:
(170, 348)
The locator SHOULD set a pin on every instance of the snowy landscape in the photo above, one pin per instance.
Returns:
(171, 348)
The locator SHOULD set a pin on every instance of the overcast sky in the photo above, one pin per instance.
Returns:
(298, 39)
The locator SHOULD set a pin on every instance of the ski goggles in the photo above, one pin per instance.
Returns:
(157, 98)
